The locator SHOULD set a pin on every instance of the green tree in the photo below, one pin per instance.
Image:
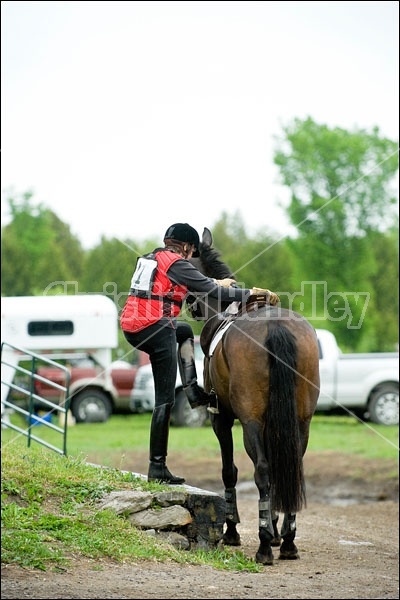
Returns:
(38, 250)
(385, 294)
(341, 187)
(109, 267)
(70, 246)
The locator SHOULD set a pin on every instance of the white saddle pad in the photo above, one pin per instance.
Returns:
(217, 337)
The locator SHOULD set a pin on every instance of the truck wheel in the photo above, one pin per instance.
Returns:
(91, 406)
(184, 416)
(383, 407)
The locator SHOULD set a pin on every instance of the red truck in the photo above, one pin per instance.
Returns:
(95, 393)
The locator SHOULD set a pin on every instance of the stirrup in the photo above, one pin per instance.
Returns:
(214, 410)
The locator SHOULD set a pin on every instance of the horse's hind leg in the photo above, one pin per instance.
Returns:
(222, 426)
(288, 550)
(276, 540)
(264, 553)
(267, 530)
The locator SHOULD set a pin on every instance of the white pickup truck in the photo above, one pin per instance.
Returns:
(364, 384)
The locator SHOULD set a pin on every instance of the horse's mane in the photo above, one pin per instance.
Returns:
(210, 263)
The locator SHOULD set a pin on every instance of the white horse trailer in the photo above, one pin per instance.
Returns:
(53, 325)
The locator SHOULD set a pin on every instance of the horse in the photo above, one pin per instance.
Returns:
(264, 370)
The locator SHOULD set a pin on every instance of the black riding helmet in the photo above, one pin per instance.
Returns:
(183, 232)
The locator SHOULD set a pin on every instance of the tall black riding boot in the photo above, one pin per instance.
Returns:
(187, 369)
(159, 431)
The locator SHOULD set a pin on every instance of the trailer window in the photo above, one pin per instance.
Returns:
(50, 328)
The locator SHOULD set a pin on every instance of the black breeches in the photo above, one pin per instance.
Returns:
(159, 341)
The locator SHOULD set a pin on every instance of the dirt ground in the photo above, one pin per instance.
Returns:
(347, 539)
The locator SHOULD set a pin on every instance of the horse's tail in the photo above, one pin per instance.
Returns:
(282, 436)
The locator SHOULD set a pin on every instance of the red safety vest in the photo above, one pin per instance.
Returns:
(165, 301)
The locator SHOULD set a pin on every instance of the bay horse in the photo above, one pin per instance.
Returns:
(264, 371)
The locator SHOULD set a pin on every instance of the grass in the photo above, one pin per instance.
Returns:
(353, 436)
(49, 515)
(123, 433)
(49, 512)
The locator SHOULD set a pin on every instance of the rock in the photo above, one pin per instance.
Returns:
(175, 539)
(127, 502)
(197, 515)
(163, 518)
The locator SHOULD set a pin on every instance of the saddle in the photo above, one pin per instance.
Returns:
(221, 320)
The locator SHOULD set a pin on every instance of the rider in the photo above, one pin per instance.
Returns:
(161, 282)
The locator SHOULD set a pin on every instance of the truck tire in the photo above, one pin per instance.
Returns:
(383, 407)
(91, 406)
(184, 416)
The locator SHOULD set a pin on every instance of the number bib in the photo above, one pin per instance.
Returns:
(143, 276)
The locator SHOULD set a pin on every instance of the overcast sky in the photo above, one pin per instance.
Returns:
(125, 117)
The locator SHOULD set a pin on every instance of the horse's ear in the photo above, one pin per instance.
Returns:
(206, 240)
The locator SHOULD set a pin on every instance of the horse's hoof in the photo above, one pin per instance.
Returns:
(284, 556)
(265, 559)
(232, 540)
(276, 541)
(288, 551)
